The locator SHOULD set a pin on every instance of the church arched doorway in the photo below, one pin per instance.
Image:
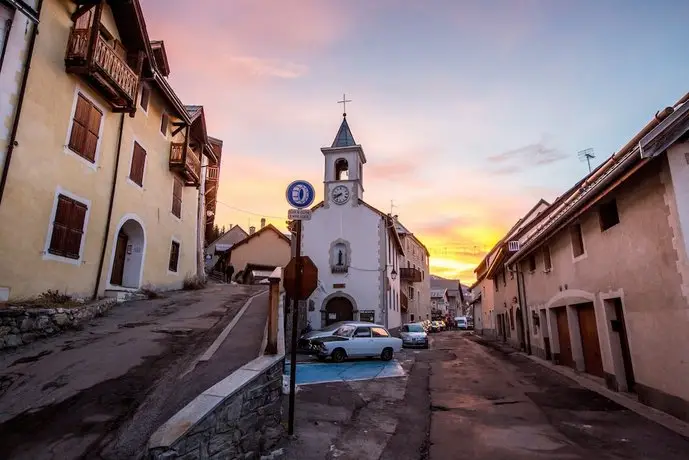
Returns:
(338, 309)
(128, 257)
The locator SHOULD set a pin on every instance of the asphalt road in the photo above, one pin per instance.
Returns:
(462, 400)
(100, 393)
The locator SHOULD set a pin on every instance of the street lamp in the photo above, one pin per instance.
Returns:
(393, 274)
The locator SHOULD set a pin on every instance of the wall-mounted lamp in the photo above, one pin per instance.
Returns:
(393, 274)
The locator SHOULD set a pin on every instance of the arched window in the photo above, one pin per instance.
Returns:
(341, 169)
(339, 256)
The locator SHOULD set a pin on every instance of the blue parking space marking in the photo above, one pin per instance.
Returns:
(311, 373)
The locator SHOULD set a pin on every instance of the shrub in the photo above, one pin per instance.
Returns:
(150, 292)
(193, 283)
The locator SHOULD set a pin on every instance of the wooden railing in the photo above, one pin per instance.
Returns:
(212, 173)
(412, 275)
(190, 161)
(105, 58)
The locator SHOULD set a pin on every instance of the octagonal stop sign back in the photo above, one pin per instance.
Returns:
(309, 278)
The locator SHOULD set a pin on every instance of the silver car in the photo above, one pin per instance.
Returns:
(414, 335)
(305, 344)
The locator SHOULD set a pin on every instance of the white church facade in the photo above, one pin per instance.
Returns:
(355, 246)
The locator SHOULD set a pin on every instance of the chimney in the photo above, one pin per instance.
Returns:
(252, 230)
(263, 222)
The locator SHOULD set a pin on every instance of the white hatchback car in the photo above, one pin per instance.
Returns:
(358, 340)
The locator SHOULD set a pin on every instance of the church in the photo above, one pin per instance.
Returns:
(355, 246)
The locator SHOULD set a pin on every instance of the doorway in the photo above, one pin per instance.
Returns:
(338, 309)
(593, 362)
(128, 256)
(619, 326)
(563, 339)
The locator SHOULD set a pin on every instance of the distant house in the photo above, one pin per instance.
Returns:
(222, 244)
(440, 301)
(260, 252)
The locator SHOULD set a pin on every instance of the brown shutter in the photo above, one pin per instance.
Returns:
(145, 94)
(85, 128)
(60, 226)
(75, 230)
(174, 257)
(177, 198)
(136, 173)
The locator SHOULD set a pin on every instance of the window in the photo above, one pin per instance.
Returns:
(83, 138)
(577, 240)
(174, 257)
(379, 332)
(341, 169)
(608, 216)
(344, 331)
(136, 172)
(411, 293)
(532, 263)
(6, 15)
(145, 96)
(546, 259)
(68, 228)
(177, 198)
(164, 122)
(362, 332)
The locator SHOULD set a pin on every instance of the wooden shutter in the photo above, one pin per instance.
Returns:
(145, 94)
(83, 139)
(136, 172)
(164, 120)
(84, 21)
(68, 228)
(177, 198)
(174, 256)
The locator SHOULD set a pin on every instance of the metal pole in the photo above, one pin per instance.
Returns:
(295, 319)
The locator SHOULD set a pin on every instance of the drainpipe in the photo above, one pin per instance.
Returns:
(101, 260)
(201, 219)
(12, 141)
(521, 292)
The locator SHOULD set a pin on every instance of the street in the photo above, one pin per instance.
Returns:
(101, 392)
(464, 400)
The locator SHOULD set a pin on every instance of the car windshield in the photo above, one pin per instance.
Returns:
(344, 331)
(415, 328)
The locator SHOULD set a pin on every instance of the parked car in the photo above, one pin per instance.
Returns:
(462, 322)
(414, 335)
(304, 344)
(436, 326)
(357, 340)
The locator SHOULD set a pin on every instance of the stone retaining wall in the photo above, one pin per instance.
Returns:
(22, 325)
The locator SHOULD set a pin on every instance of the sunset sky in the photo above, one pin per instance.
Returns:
(468, 111)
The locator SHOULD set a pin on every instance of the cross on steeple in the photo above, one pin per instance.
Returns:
(344, 104)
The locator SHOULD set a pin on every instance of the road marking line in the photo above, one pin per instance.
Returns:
(223, 335)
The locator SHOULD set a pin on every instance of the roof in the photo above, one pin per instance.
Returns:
(234, 229)
(198, 129)
(609, 175)
(344, 137)
(402, 230)
(160, 56)
(268, 227)
(438, 293)
(388, 219)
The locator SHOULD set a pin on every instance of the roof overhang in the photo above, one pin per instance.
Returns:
(25, 9)
(668, 132)
(358, 148)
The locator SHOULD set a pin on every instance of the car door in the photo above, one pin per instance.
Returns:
(361, 342)
(381, 339)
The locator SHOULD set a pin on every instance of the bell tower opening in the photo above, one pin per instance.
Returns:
(341, 169)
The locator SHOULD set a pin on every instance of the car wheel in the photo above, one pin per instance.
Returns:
(338, 355)
(386, 355)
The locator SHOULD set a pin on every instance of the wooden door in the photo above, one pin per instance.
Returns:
(563, 337)
(621, 327)
(338, 309)
(120, 256)
(593, 362)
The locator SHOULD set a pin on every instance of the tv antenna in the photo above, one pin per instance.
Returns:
(586, 154)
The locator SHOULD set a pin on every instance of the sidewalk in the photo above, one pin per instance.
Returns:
(626, 400)
(102, 391)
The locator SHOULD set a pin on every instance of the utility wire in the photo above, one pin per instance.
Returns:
(250, 212)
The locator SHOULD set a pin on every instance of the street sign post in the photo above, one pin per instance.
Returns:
(299, 214)
(300, 194)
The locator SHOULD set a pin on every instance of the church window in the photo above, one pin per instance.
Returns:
(341, 169)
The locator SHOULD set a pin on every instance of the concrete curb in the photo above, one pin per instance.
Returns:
(223, 335)
(668, 421)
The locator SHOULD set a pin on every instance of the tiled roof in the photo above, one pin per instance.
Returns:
(344, 136)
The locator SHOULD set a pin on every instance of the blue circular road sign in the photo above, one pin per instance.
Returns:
(300, 194)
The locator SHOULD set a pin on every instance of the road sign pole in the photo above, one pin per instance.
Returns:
(295, 320)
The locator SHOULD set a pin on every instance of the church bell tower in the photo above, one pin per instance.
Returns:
(343, 174)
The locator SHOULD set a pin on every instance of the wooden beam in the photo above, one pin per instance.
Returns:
(180, 127)
(80, 11)
(95, 31)
(139, 69)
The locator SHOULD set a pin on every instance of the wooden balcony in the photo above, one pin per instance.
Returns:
(411, 275)
(186, 163)
(212, 173)
(103, 68)
(404, 301)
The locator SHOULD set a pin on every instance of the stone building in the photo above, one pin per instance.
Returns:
(414, 277)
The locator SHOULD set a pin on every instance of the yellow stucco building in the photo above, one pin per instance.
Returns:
(103, 181)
